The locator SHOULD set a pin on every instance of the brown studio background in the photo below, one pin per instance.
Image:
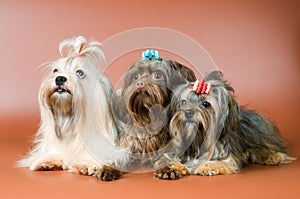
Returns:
(255, 43)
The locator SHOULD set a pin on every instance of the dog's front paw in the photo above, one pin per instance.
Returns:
(172, 172)
(107, 173)
(84, 169)
(206, 170)
(168, 173)
(49, 166)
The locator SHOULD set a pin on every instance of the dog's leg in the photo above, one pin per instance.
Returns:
(211, 168)
(267, 157)
(278, 158)
(107, 173)
(172, 172)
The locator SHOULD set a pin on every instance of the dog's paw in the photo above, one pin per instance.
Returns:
(79, 169)
(49, 166)
(172, 172)
(107, 173)
(84, 169)
(206, 170)
(168, 173)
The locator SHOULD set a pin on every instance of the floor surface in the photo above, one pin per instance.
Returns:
(254, 182)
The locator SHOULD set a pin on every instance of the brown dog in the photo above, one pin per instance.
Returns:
(142, 109)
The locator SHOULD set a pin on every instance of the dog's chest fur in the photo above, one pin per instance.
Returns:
(143, 140)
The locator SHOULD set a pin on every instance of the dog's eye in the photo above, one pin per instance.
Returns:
(206, 104)
(55, 70)
(183, 102)
(136, 76)
(157, 75)
(80, 74)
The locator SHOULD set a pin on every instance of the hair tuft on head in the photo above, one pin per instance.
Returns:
(80, 47)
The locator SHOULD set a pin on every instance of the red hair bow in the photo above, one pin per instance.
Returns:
(201, 87)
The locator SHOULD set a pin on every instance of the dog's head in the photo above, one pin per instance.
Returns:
(65, 90)
(211, 108)
(150, 82)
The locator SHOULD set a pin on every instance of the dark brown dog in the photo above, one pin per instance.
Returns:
(142, 108)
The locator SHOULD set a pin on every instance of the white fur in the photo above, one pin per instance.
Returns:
(88, 135)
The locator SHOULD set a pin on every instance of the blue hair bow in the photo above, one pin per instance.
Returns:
(151, 55)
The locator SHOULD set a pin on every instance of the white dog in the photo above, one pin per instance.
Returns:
(77, 130)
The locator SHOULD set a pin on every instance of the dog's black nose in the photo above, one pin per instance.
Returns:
(60, 80)
(189, 113)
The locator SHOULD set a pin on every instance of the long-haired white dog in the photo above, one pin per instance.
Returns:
(77, 130)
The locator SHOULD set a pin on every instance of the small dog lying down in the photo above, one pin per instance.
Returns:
(222, 136)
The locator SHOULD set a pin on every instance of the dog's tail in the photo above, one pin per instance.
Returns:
(261, 140)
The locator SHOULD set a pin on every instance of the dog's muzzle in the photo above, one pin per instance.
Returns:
(189, 114)
(140, 84)
(59, 81)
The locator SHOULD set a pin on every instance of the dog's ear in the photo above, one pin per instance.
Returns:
(224, 122)
(228, 109)
(175, 99)
(214, 75)
(180, 74)
(234, 113)
(217, 78)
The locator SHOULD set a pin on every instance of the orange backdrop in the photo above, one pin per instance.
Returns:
(255, 43)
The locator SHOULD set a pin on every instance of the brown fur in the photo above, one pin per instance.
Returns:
(140, 103)
(173, 171)
(143, 114)
(50, 166)
(210, 168)
(107, 173)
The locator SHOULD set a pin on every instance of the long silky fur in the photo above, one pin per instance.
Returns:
(76, 129)
(225, 131)
(143, 119)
